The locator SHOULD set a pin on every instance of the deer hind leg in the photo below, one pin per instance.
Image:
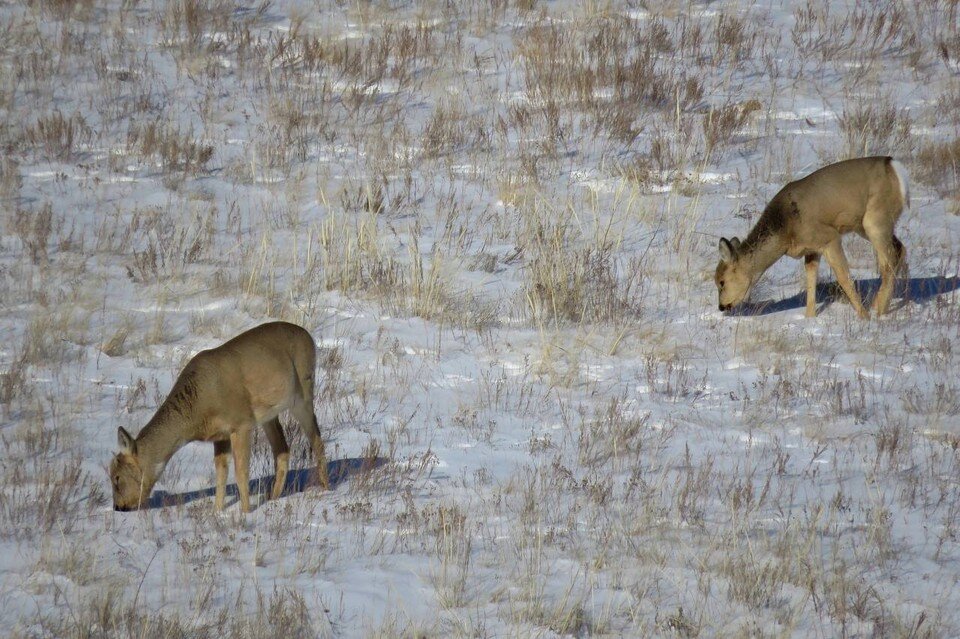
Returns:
(902, 269)
(890, 256)
(221, 461)
(811, 263)
(240, 443)
(281, 455)
(303, 412)
(838, 262)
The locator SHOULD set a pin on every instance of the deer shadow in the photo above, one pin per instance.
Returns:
(296, 481)
(917, 289)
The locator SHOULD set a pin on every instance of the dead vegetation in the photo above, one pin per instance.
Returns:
(166, 147)
(500, 217)
(938, 165)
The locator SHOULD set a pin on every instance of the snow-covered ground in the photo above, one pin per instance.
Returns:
(500, 222)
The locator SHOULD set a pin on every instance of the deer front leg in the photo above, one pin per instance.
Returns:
(240, 443)
(221, 461)
(281, 455)
(838, 262)
(811, 264)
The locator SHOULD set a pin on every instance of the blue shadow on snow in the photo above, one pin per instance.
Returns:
(297, 481)
(917, 290)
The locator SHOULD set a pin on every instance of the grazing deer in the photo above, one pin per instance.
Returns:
(808, 217)
(219, 396)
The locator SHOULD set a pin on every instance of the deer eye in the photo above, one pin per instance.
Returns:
(721, 283)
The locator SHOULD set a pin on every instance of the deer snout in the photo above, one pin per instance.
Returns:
(726, 307)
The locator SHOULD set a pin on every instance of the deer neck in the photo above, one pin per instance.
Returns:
(760, 250)
(166, 433)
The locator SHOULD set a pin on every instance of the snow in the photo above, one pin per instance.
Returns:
(644, 465)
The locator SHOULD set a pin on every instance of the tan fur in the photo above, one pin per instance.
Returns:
(807, 219)
(219, 396)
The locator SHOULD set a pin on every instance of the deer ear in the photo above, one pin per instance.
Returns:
(127, 443)
(735, 242)
(728, 250)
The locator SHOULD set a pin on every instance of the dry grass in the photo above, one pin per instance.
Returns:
(353, 257)
(875, 129)
(165, 146)
(34, 228)
(500, 220)
(938, 165)
(58, 137)
(580, 285)
(721, 125)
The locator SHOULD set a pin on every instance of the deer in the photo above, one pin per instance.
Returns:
(808, 217)
(218, 397)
